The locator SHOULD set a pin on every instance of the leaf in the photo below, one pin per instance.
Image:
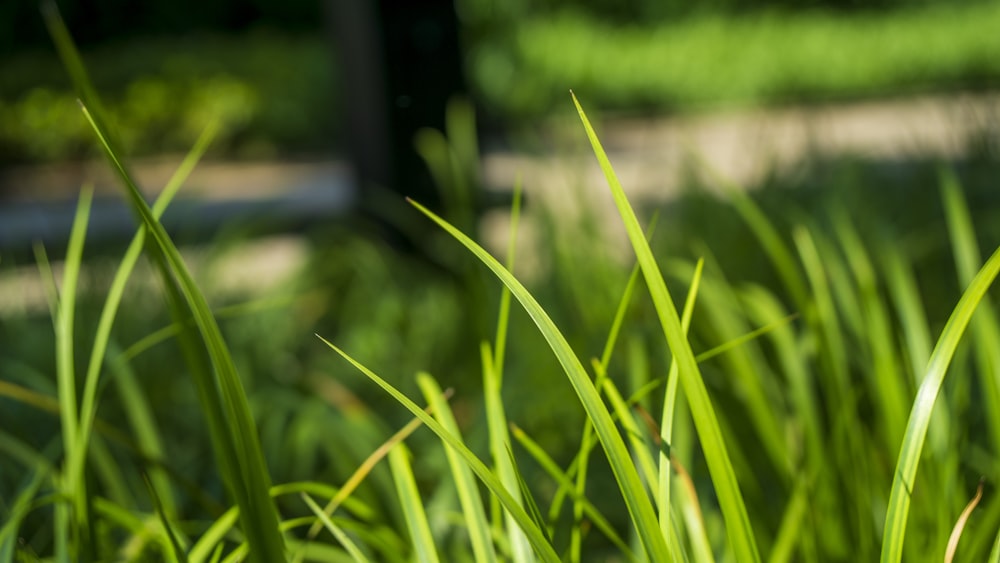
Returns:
(734, 510)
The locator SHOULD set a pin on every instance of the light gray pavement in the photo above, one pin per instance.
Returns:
(650, 155)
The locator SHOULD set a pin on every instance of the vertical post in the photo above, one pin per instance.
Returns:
(400, 63)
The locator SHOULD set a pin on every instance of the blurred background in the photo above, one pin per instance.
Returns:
(330, 111)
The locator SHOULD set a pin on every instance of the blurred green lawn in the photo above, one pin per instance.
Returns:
(277, 93)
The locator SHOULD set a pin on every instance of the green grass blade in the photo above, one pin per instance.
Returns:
(762, 306)
(669, 409)
(916, 428)
(638, 504)
(251, 481)
(791, 526)
(139, 414)
(366, 467)
(18, 510)
(234, 439)
(48, 282)
(66, 371)
(887, 383)
(774, 246)
(591, 511)
(833, 350)
(723, 475)
(496, 422)
(534, 534)
(337, 532)
(503, 318)
(213, 536)
(413, 506)
(473, 512)
(113, 301)
(636, 434)
(587, 441)
(985, 328)
(178, 553)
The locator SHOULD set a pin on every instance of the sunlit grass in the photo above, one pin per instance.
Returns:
(784, 421)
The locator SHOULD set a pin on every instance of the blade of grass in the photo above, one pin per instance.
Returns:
(917, 337)
(791, 525)
(985, 329)
(251, 481)
(762, 306)
(18, 510)
(738, 525)
(473, 512)
(496, 422)
(178, 553)
(923, 405)
(112, 302)
(338, 533)
(534, 534)
(48, 280)
(413, 508)
(587, 441)
(886, 382)
(528, 498)
(370, 462)
(117, 287)
(552, 468)
(75, 487)
(235, 441)
(503, 318)
(139, 413)
(669, 408)
(638, 504)
(956, 532)
(776, 249)
(753, 379)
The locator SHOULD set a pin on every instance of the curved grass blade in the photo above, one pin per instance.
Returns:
(246, 473)
(178, 553)
(473, 512)
(413, 507)
(587, 441)
(342, 537)
(669, 407)
(923, 406)
(102, 335)
(496, 422)
(638, 504)
(956, 532)
(552, 468)
(75, 486)
(534, 534)
(369, 463)
(503, 318)
(985, 328)
(18, 510)
(720, 467)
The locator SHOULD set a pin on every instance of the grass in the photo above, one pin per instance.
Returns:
(822, 392)
(720, 61)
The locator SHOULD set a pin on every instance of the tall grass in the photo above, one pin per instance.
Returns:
(785, 420)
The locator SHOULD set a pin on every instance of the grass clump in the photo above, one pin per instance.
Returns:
(781, 411)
